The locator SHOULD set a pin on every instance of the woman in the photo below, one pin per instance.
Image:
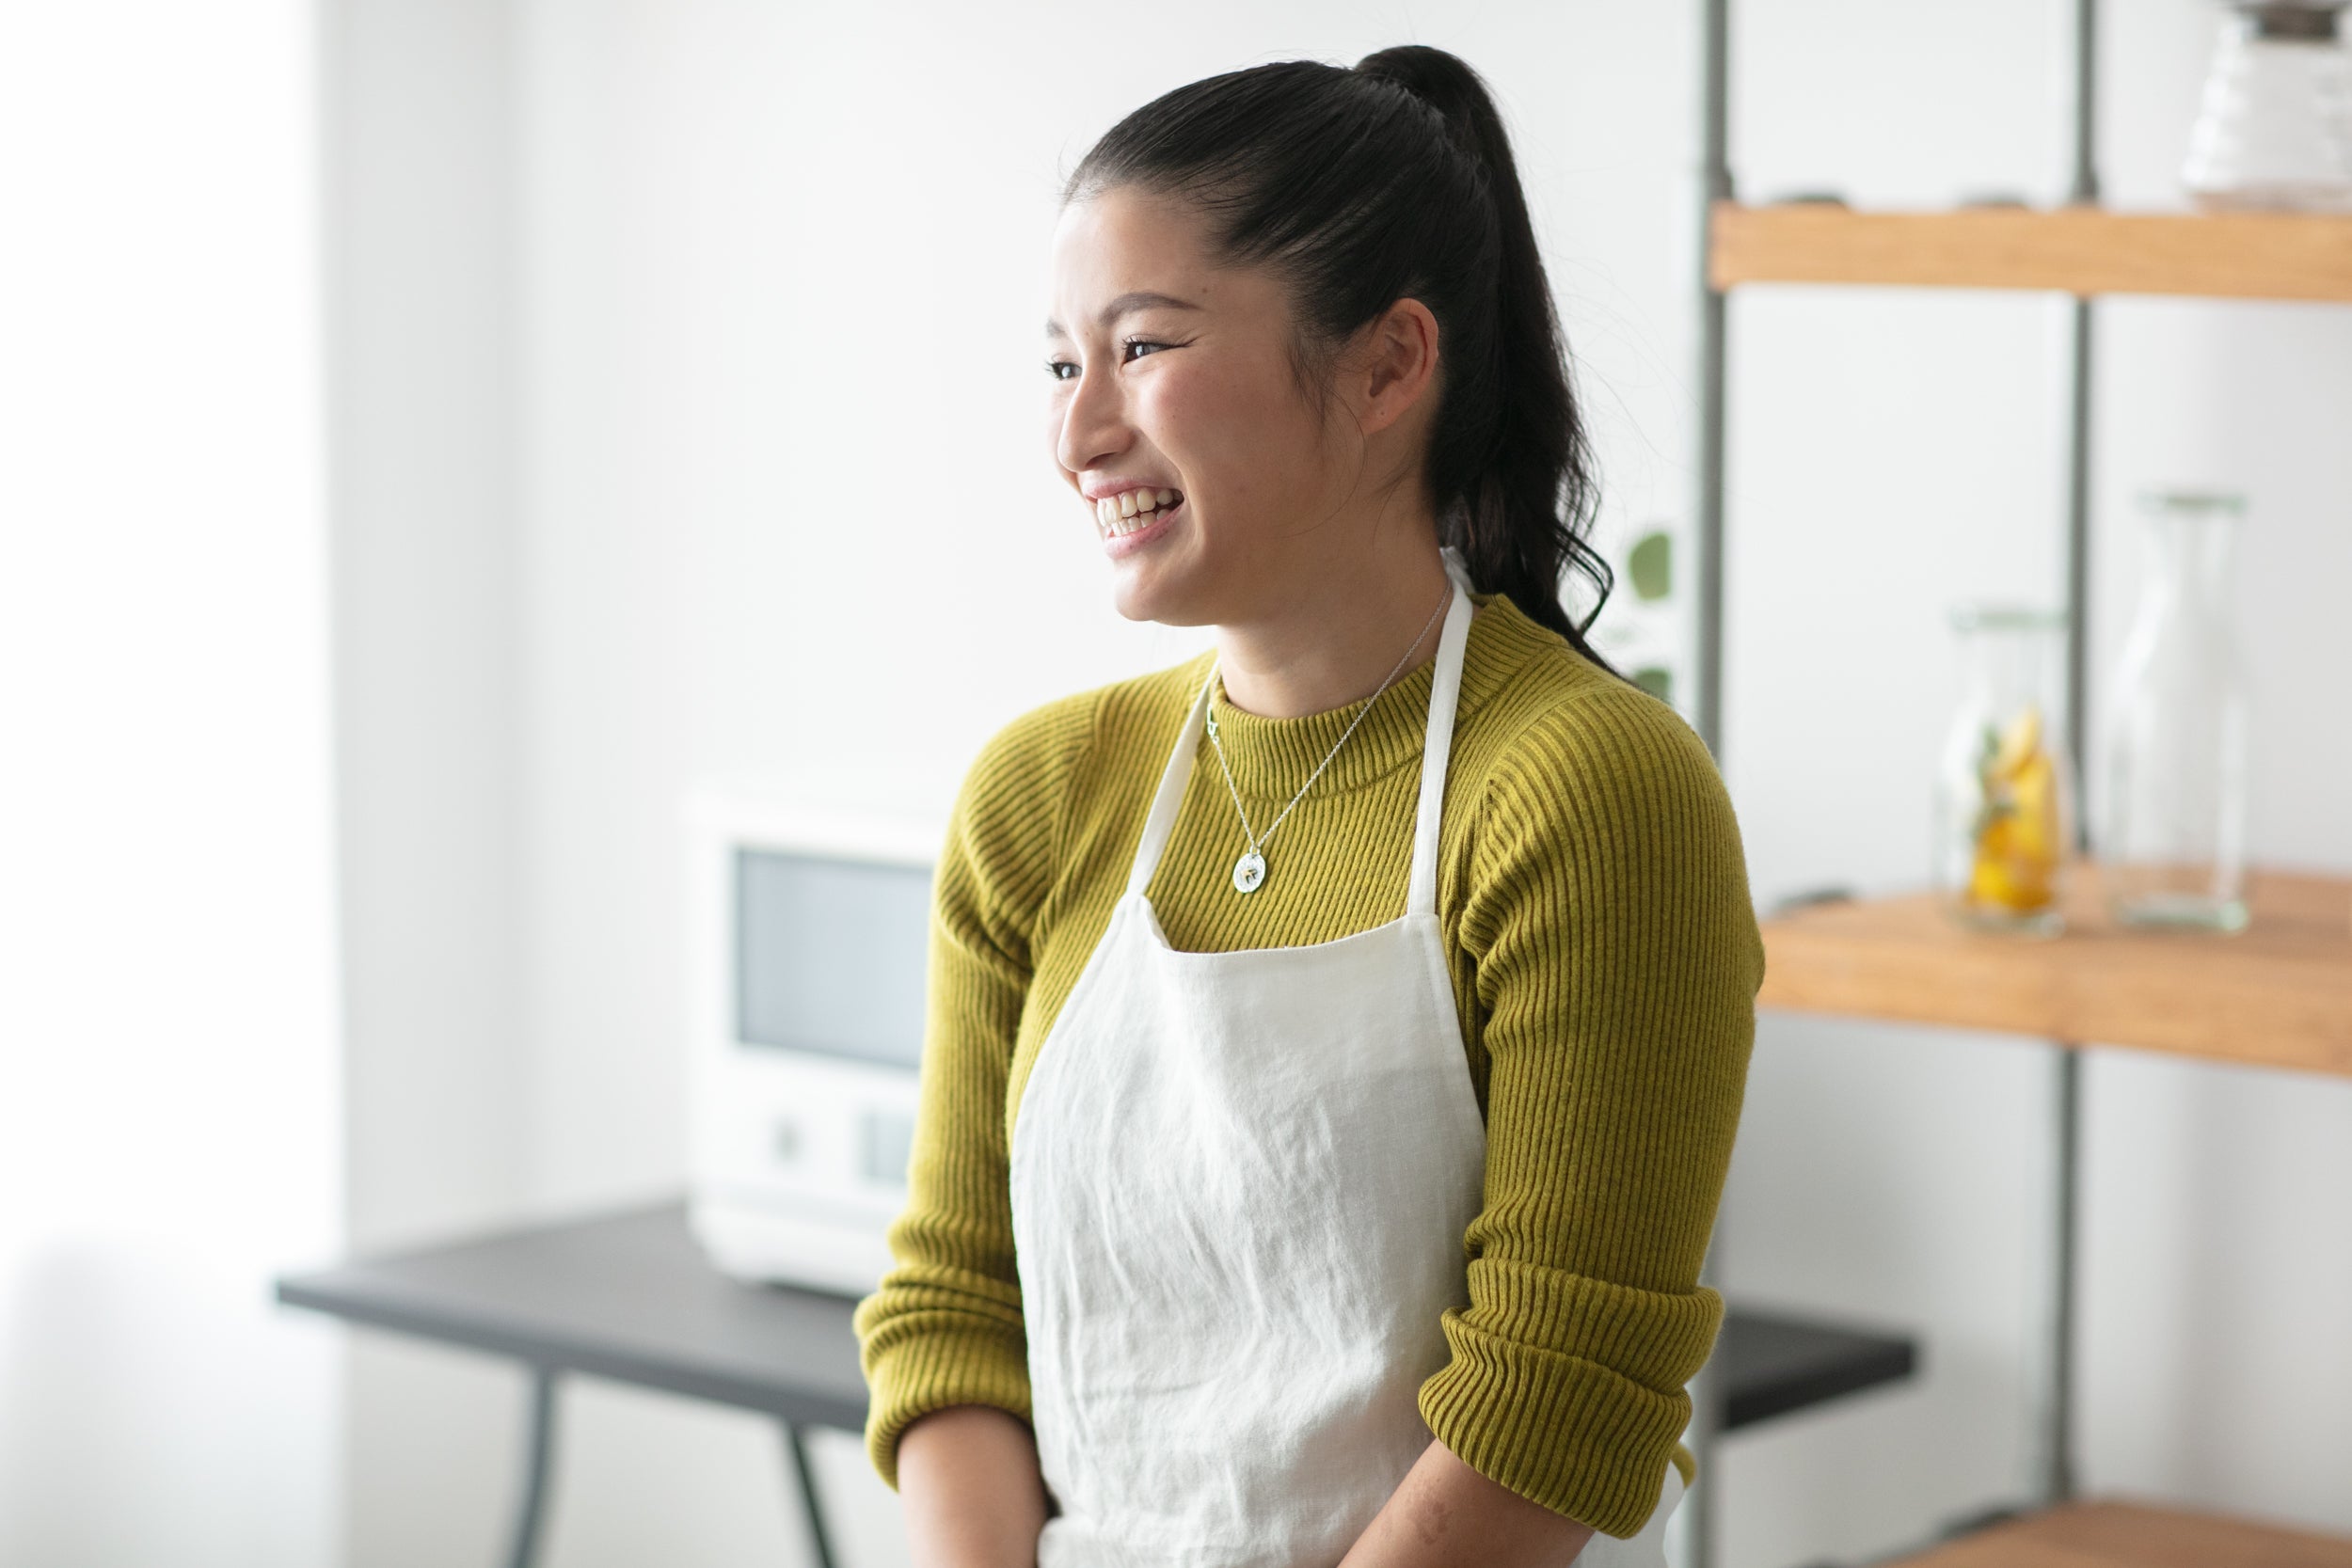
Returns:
(1250, 1220)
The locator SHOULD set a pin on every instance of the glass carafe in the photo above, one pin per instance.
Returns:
(2275, 128)
(2005, 790)
(2172, 813)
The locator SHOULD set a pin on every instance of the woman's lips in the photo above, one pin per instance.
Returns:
(1118, 544)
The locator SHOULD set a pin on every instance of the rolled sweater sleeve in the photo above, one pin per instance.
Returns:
(944, 1327)
(1617, 961)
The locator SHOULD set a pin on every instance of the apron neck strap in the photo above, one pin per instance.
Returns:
(1421, 896)
(1161, 824)
(1436, 747)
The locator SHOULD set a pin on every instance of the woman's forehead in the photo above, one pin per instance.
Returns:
(1122, 251)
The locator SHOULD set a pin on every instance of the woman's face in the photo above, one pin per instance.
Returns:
(1170, 374)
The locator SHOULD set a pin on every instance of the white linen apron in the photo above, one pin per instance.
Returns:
(1240, 1183)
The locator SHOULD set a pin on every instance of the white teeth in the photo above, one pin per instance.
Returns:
(1131, 510)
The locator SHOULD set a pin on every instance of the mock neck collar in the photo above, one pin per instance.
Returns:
(1270, 758)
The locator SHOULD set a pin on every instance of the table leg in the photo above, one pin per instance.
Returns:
(534, 1505)
(821, 1544)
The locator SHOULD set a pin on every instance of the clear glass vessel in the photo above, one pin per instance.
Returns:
(2275, 128)
(2172, 820)
(2005, 789)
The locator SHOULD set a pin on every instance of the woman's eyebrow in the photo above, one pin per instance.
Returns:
(1137, 299)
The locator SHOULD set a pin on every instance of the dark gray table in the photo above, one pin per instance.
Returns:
(631, 1296)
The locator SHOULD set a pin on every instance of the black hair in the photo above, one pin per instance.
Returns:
(1388, 180)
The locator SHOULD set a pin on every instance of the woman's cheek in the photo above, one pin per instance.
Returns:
(1193, 421)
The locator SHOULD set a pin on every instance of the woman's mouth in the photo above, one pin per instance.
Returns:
(1124, 532)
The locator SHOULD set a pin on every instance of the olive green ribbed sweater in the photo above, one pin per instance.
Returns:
(1605, 960)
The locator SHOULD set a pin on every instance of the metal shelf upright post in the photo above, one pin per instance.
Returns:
(2056, 1415)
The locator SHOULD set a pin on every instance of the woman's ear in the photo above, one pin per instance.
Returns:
(1396, 365)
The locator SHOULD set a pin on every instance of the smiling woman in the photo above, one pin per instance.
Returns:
(1251, 1220)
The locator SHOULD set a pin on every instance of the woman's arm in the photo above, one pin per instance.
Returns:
(969, 1485)
(1445, 1513)
(944, 1329)
(1607, 914)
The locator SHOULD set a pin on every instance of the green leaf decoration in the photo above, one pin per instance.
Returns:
(1651, 565)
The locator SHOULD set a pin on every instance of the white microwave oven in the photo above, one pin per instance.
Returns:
(809, 942)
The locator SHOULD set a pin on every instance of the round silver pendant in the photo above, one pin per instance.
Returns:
(1248, 872)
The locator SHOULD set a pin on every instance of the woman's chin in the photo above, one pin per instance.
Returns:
(1155, 591)
(1134, 600)
(1149, 574)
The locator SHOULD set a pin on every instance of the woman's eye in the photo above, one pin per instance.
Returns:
(1055, 367)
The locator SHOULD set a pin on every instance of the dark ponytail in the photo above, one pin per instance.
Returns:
(1389, 180)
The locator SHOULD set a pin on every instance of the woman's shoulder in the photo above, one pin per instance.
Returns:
(1049, 743)
(1568, 739)
(1539, 695)
(1598, 795)
(1021, 782)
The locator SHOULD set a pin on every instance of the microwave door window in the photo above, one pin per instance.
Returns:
(830, 955)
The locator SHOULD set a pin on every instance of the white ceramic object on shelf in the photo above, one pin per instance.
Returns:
(2275, 129)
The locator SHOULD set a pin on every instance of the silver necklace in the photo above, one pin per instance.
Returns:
(1249, 871)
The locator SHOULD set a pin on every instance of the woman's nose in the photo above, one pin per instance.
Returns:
(1093, 424)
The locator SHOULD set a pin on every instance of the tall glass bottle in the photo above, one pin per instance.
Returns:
(2172, 812)
(2005, 791)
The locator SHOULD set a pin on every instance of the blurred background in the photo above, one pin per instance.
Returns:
(436, 436)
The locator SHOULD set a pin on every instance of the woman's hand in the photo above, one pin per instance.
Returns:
(1444, 1515)
(969, 1485)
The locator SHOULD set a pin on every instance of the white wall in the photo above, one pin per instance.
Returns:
(767, 267)
(419, 137)
(169, 1051)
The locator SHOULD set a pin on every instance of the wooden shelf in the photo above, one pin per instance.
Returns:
(2278, 994)
(2076, 250)
(2132, 1535)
